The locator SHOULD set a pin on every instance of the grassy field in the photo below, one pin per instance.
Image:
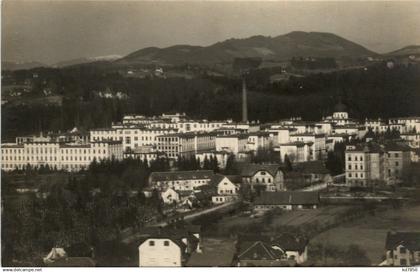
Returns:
(324, 215)
(370, 232)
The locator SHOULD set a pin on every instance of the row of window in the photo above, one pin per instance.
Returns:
(153, 243)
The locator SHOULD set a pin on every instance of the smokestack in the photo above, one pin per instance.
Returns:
(244, 101)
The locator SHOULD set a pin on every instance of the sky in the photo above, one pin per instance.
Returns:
(52, 31)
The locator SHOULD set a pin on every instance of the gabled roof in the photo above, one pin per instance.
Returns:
(248, 170)
(181, 175)
(283, 241)
(287, 198)
(311, 167)
(259, 250)
(410, 240)
(73, 262)
(217, 178)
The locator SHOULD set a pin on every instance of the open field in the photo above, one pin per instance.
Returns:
(323, 215)
(370, 232)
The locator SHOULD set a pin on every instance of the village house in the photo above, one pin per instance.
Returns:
(170, 196)
(290, 200)
(282, 250)
(268, 176)
(168, 247)
(313, 171)
(180, 180)
(402, 248)
(227, 188)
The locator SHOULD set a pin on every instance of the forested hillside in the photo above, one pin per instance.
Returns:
(376, 92)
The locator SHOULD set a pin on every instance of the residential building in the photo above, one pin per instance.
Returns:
(402, 248)
(180, 180)
(168, 247)
(282, 250)
(373, 164)
(227, 188)
(289, 200)
(268, 176)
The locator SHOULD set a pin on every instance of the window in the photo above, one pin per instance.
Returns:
(151, 243)
(396, 155)
(349, 158)
(166, 243)
(403, 250)
(403, 262)
(396, 163)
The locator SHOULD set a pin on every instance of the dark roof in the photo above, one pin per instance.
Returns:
(287, 198)
(181, 175)
(249, 170)
(410, 240)
(311, 167)
(215, 252)
(259, 250)
(285, 241)
(73, 262)
(217, 178)
(79, 250)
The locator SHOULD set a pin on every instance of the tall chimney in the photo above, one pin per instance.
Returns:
(244, 101)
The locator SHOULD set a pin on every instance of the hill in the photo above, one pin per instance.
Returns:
(12, 66)
(406, 51)
(283, 47)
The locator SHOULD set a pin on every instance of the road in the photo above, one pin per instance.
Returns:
(129, 237)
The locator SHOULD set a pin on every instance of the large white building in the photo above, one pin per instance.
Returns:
(373, 164)
(60, 156)
(185, 144)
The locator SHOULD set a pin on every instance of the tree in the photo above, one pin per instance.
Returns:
(355, 256)
(206, 163)
(287, 163)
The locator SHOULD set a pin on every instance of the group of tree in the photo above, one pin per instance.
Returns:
(92, 207)
(395, 92)
(192, 163)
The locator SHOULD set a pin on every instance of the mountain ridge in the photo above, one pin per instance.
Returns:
(281, 47)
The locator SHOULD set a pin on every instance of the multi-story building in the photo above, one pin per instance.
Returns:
(130, 136)
(60, 156)
(185, 144)
(234, 144)
(317, 141)
(372, 164)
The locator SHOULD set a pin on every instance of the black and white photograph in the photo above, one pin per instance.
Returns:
(150, 134)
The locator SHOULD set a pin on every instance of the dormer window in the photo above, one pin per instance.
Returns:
(166, 243)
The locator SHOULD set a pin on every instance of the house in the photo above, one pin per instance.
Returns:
(227, 188)
(314, 171)
(283, 250)
(161, 251)
(269, 176)
(170, 196)
(402, 248)
(168, 247)
(372, 164)
(76, 255)
(215, 252)
(290, 200)
(180, 180)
